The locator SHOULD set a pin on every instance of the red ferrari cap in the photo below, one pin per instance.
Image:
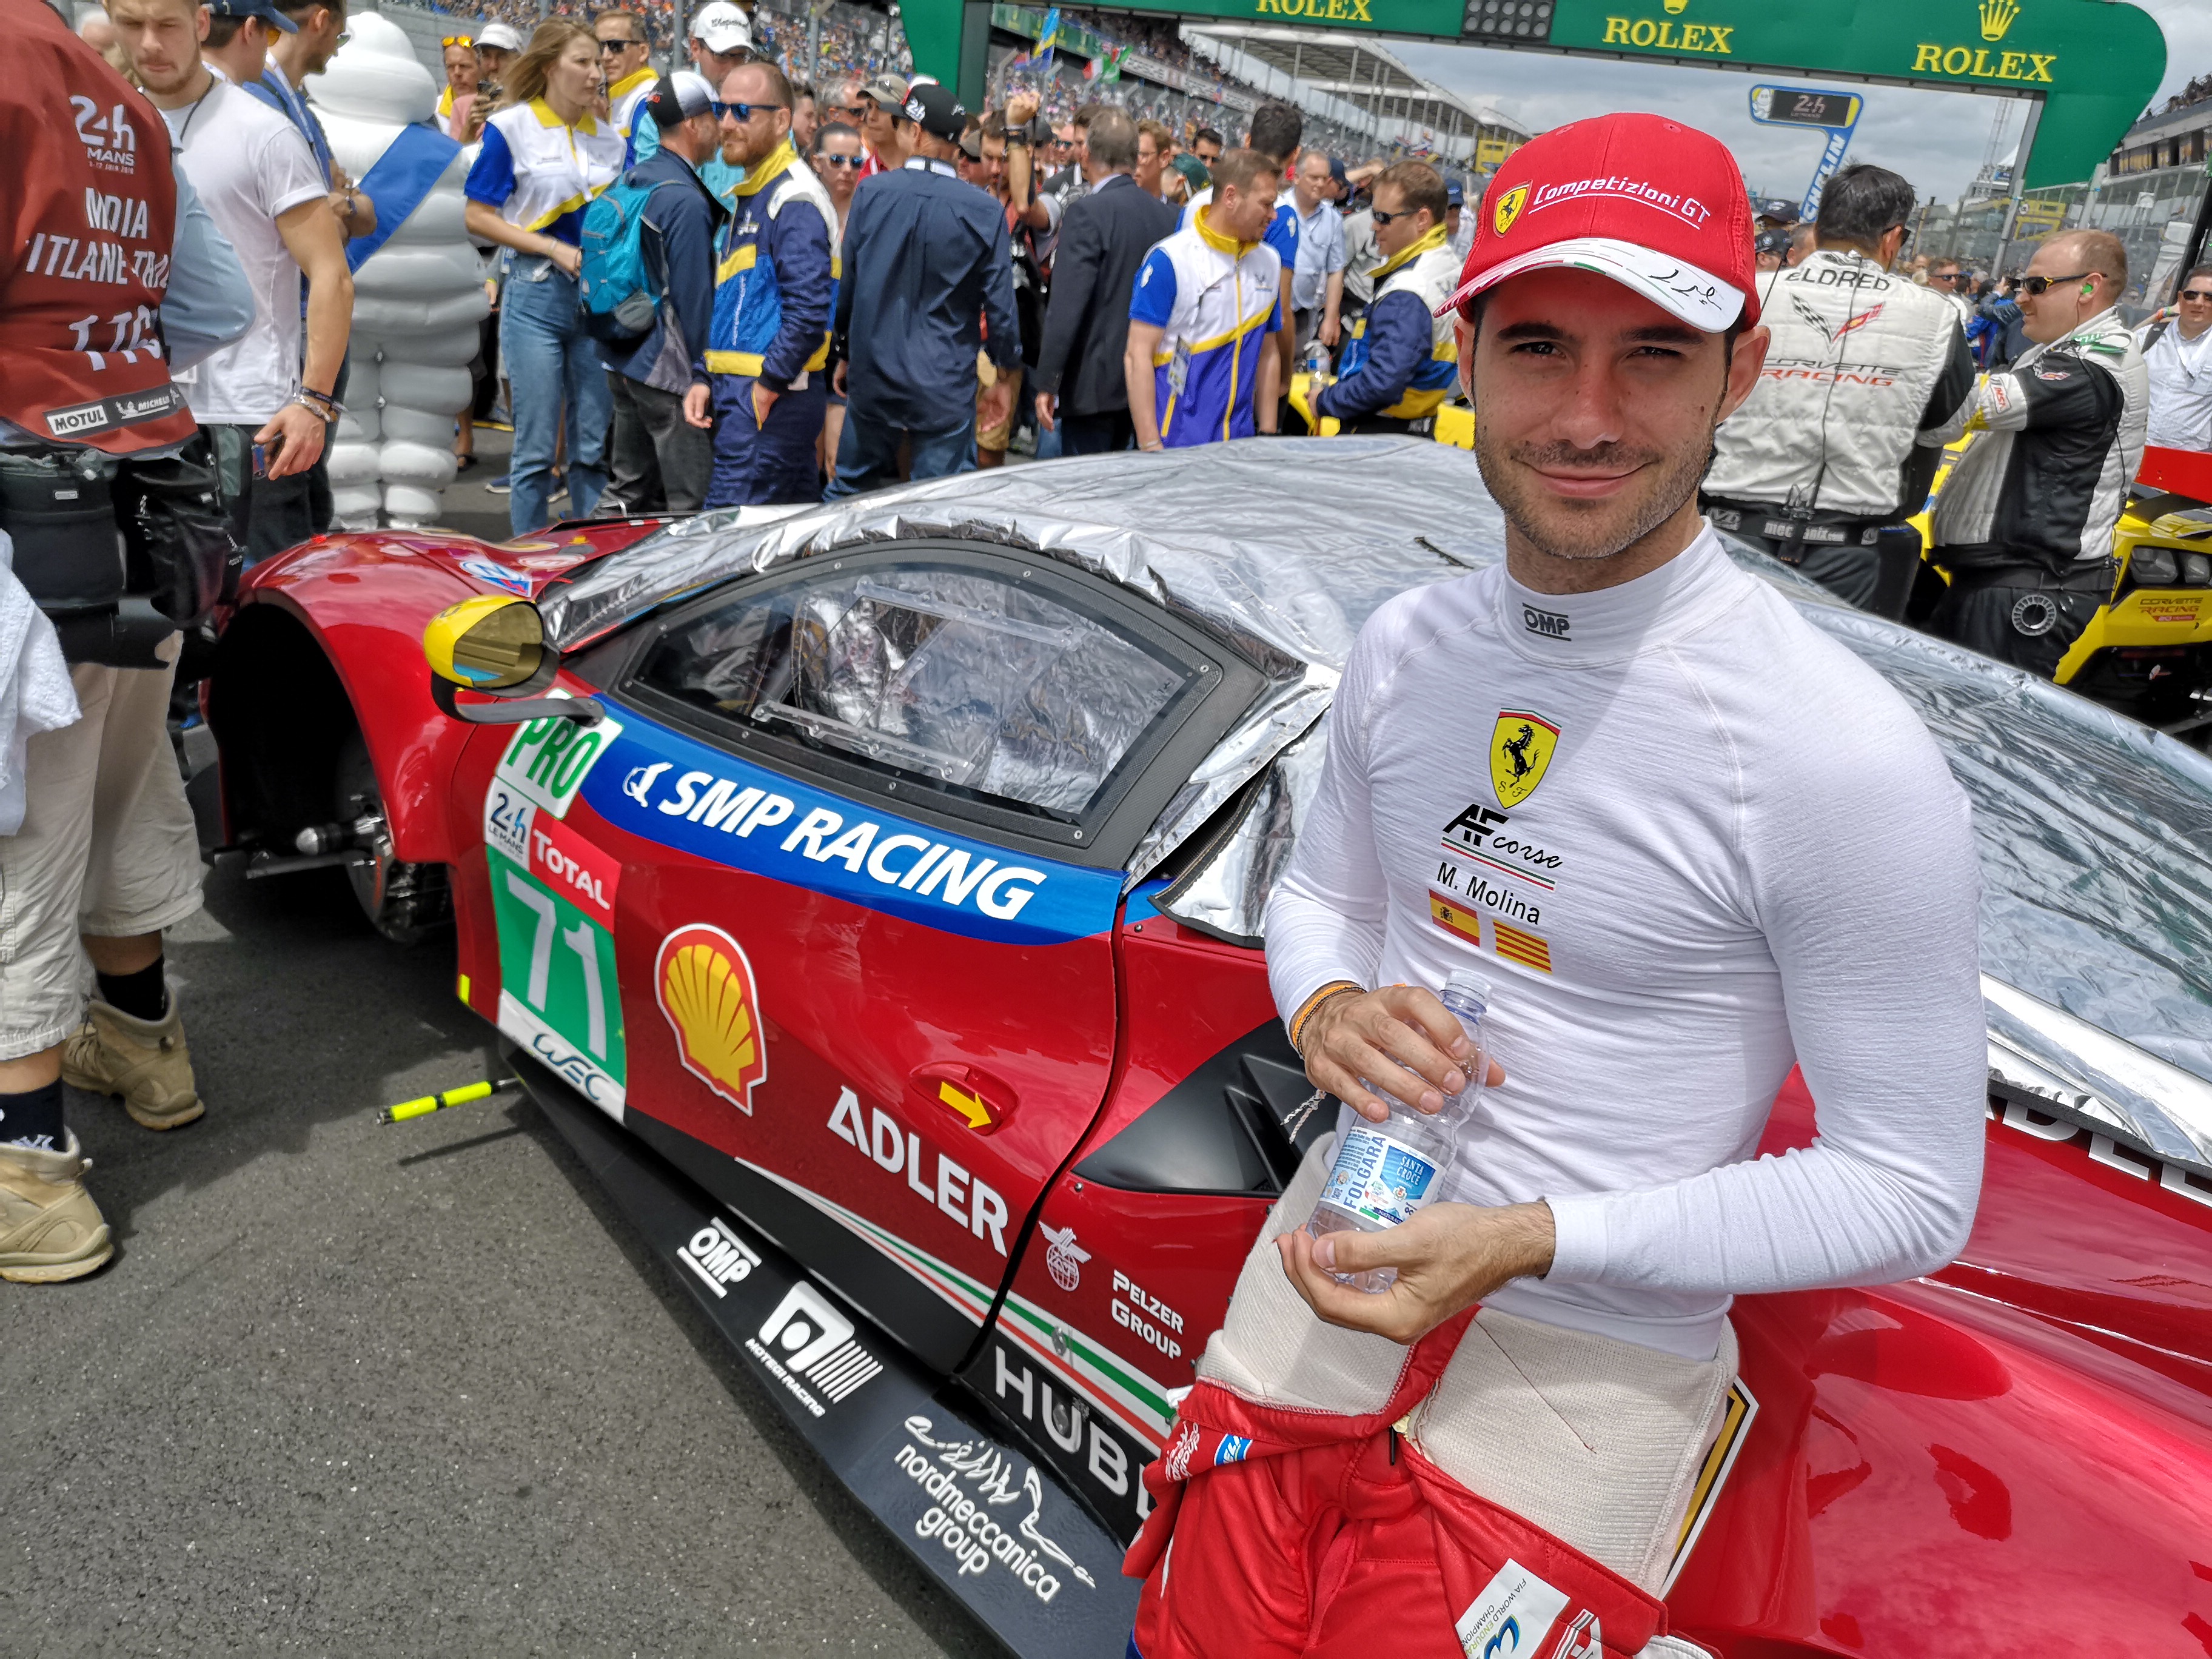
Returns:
(1658, 207)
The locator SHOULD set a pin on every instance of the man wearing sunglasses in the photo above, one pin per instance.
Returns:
(622, 53)
(2177, 348)
(2024, 525)
(769, 348)
(1948, 280)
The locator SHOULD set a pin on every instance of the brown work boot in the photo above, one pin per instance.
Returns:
(50, 1228)
(145, 1061)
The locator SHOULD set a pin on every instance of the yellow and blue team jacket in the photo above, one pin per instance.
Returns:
(776, 284)
(1401, 358)
(1217, 300)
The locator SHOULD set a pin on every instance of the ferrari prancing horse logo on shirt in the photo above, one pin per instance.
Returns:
(1520, 747)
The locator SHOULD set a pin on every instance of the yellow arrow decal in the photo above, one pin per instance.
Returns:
(970, 1107)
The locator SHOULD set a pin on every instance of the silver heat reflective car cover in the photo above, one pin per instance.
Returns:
(2095, 832)
(1281, 549)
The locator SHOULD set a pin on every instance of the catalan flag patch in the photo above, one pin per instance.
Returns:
(1448, 914)
(1516, 946)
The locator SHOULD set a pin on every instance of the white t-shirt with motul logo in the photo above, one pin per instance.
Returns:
(249, 164)
(1691, 840)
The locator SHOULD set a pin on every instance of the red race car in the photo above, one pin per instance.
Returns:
(872, 894)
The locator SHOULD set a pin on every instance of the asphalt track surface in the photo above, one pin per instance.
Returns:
(409, 1390)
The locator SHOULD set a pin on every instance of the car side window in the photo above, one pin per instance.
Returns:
(945, 674)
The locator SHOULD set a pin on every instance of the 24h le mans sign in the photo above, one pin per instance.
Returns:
(2094, 63)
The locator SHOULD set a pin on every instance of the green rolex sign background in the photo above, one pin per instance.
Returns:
(2093, 63)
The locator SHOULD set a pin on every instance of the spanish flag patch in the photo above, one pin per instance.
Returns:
(1525, 948)
(1448, 916)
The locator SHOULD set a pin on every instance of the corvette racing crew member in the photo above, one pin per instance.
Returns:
(98, 853)
(2024, 526)
(1402, 358)
(1629, 783)
(1868, 377)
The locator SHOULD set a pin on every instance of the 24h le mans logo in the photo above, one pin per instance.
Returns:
(1521, 746)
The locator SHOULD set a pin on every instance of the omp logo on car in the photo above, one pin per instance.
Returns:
(668, 788)
(548, 760)
(718, 1256)
(968, 1200)
(705, 987)
(807, 1345)
(999, 1523)
(1512, 1615)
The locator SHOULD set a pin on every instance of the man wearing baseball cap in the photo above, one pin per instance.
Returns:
(927, 282)
(1690, 842)
(885, 137)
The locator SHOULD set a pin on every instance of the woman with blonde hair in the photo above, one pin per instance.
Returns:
(545, 155)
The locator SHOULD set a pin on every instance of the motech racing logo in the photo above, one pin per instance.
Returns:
(807, 1345)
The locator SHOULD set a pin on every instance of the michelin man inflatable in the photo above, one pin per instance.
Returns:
(419, 292)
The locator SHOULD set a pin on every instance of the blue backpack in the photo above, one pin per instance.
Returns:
(620, 292)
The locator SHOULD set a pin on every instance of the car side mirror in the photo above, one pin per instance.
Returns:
(495, 643)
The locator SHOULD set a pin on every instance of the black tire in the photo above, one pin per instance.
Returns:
(406, 902)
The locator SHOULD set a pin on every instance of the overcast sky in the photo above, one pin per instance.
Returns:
(1936, 139)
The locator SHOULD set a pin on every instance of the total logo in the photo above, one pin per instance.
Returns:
(807, 1345)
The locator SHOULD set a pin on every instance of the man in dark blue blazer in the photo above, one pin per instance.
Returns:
(1102, 243)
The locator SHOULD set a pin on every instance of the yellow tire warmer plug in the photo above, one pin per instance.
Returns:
(428, 1103)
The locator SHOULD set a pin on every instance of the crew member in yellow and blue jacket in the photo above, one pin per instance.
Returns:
(1402, 358)
(775, 288)
(1199, 367)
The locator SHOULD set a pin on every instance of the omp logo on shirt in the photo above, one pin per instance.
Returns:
(1549, 623)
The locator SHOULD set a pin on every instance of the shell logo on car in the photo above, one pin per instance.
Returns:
(705, 986)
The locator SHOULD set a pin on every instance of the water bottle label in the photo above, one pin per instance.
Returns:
(1383, 1180)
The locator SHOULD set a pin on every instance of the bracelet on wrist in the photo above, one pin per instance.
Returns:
(1329, 993)
(320, 403)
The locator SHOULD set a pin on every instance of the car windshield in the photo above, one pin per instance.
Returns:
(950, 677)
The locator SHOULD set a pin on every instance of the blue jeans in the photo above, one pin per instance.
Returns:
(868, 453)
(551, 361)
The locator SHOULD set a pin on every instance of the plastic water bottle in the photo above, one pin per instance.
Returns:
(1385, 1172)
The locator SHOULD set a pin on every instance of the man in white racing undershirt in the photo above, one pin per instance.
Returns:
(1692, 841)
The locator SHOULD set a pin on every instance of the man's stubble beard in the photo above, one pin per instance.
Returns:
(1524, 503)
